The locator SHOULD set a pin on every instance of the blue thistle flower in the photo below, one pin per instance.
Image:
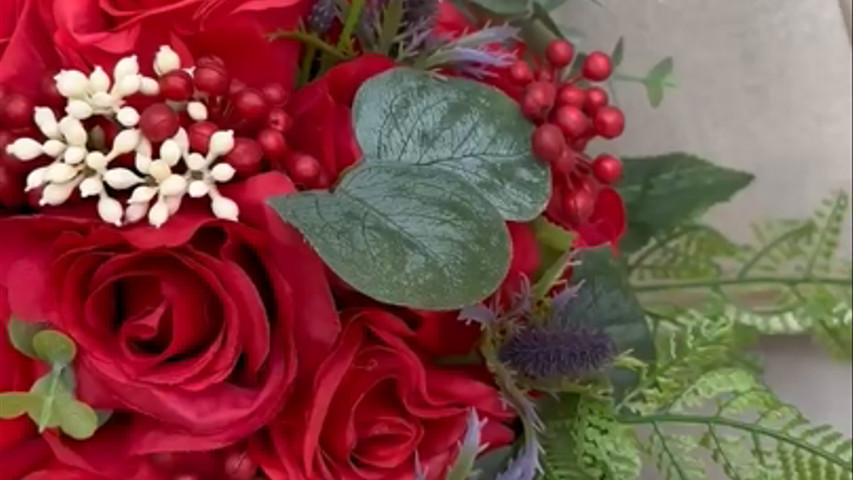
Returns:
(548, 353)
(322, 16)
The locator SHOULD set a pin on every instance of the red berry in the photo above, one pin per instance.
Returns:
(159, 122)
(607, 169)
(275, 94)
(236, 87)
(579, 145)
(273, 144)
(609, 122)
(16, 111)
(548, 143)
(200, 134)
(597, 67)
(596, 99)
(303, 169)
(538, 100)
(545, 75)
(578, 205)
(210, 61)
(566, 162)
(249, 104)
(279, 120)
(572, 121)
(560, 53)
(176, 85)
(246, 157)
(520, 73)
(238, 466)
(571, 95)
(212, 80)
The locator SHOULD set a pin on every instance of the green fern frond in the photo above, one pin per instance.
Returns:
(584, 441)
(790, 280)
(739, 424)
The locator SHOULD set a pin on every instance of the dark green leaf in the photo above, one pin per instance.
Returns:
(659, 73)
(618, 54)
(15, 404)
(77, 420)
(550, 5)
(21, 335)
(665, 191)
(605, 301)
(490, 464)
(463, 127)
(54, 347)
(504, 8)
(406, 235)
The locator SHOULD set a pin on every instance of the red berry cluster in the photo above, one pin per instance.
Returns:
(569, 113)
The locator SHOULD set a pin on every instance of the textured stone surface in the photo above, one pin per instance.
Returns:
(765, 86)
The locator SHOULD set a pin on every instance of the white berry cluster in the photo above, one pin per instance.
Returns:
(82, 160)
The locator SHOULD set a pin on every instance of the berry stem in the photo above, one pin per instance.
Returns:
(310, 40)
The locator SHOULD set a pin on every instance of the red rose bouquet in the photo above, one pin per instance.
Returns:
(364, 240)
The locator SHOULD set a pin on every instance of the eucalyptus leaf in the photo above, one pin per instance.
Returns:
(661, 71)
(15, 404)
(76, 419)
(54, 347)
(654, 92)
(666, 191)
(605, 301)
(618, 54)
(21, 335)
(463, 127)
(405, 235)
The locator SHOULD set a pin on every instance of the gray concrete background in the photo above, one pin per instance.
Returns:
(764, 86)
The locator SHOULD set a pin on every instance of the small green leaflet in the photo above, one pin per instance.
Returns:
(21, 335)
(665, 191)
(657, 80)
(605, 301)
(463, 127)
(405, 235)
(54, 347)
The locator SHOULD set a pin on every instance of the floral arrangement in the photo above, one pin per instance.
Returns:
(369, 240)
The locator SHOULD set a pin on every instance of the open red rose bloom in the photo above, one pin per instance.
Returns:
(213, 338)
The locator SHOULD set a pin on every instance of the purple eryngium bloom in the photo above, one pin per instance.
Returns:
(549, 353)
(321, 17)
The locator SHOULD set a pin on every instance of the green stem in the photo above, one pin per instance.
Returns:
(47, 407)
(311, 40)
(307, 63)
(353, 15)
(654, 420)
(788, 281)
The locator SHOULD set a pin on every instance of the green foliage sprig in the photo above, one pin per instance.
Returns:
(50, 403)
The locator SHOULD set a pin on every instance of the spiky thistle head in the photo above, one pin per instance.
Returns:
(549, 353)
(322, 16)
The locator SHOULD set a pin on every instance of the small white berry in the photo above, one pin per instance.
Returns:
(173, 204)
(221, 143)
(197, 111)
(91, 186)
(96, 161)
(149, 86)
(99, 81)
(128, 117)
(110, 210)
(183, 140)
(24, 149)
(79, 109)
(73, 131)
(121, 178)
(103, 100)
(142, 194)
(198, 188)
(126, 66)
(72, 84)
(142, 163)
(74, 155)
(128, 85)
(173, 185)
(46, 121)
(60, 172)
(54, 148)
(224, 208)
(166, 60)
(158, 214)
(222, 172)
(160, 170)
(125, 142)
(57, 193)
(170, 152)
(196, 161)
(36, 178)
(135, 212)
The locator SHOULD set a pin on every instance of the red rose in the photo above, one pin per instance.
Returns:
(82, 33)
(322, 110)
(376, 405)
(192, 333)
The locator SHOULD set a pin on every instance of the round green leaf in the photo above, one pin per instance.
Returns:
(405, 235)
(15, 404)
(55, 347)
(50, 390)
(21, 335)
(463, 127)
(76, 419)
